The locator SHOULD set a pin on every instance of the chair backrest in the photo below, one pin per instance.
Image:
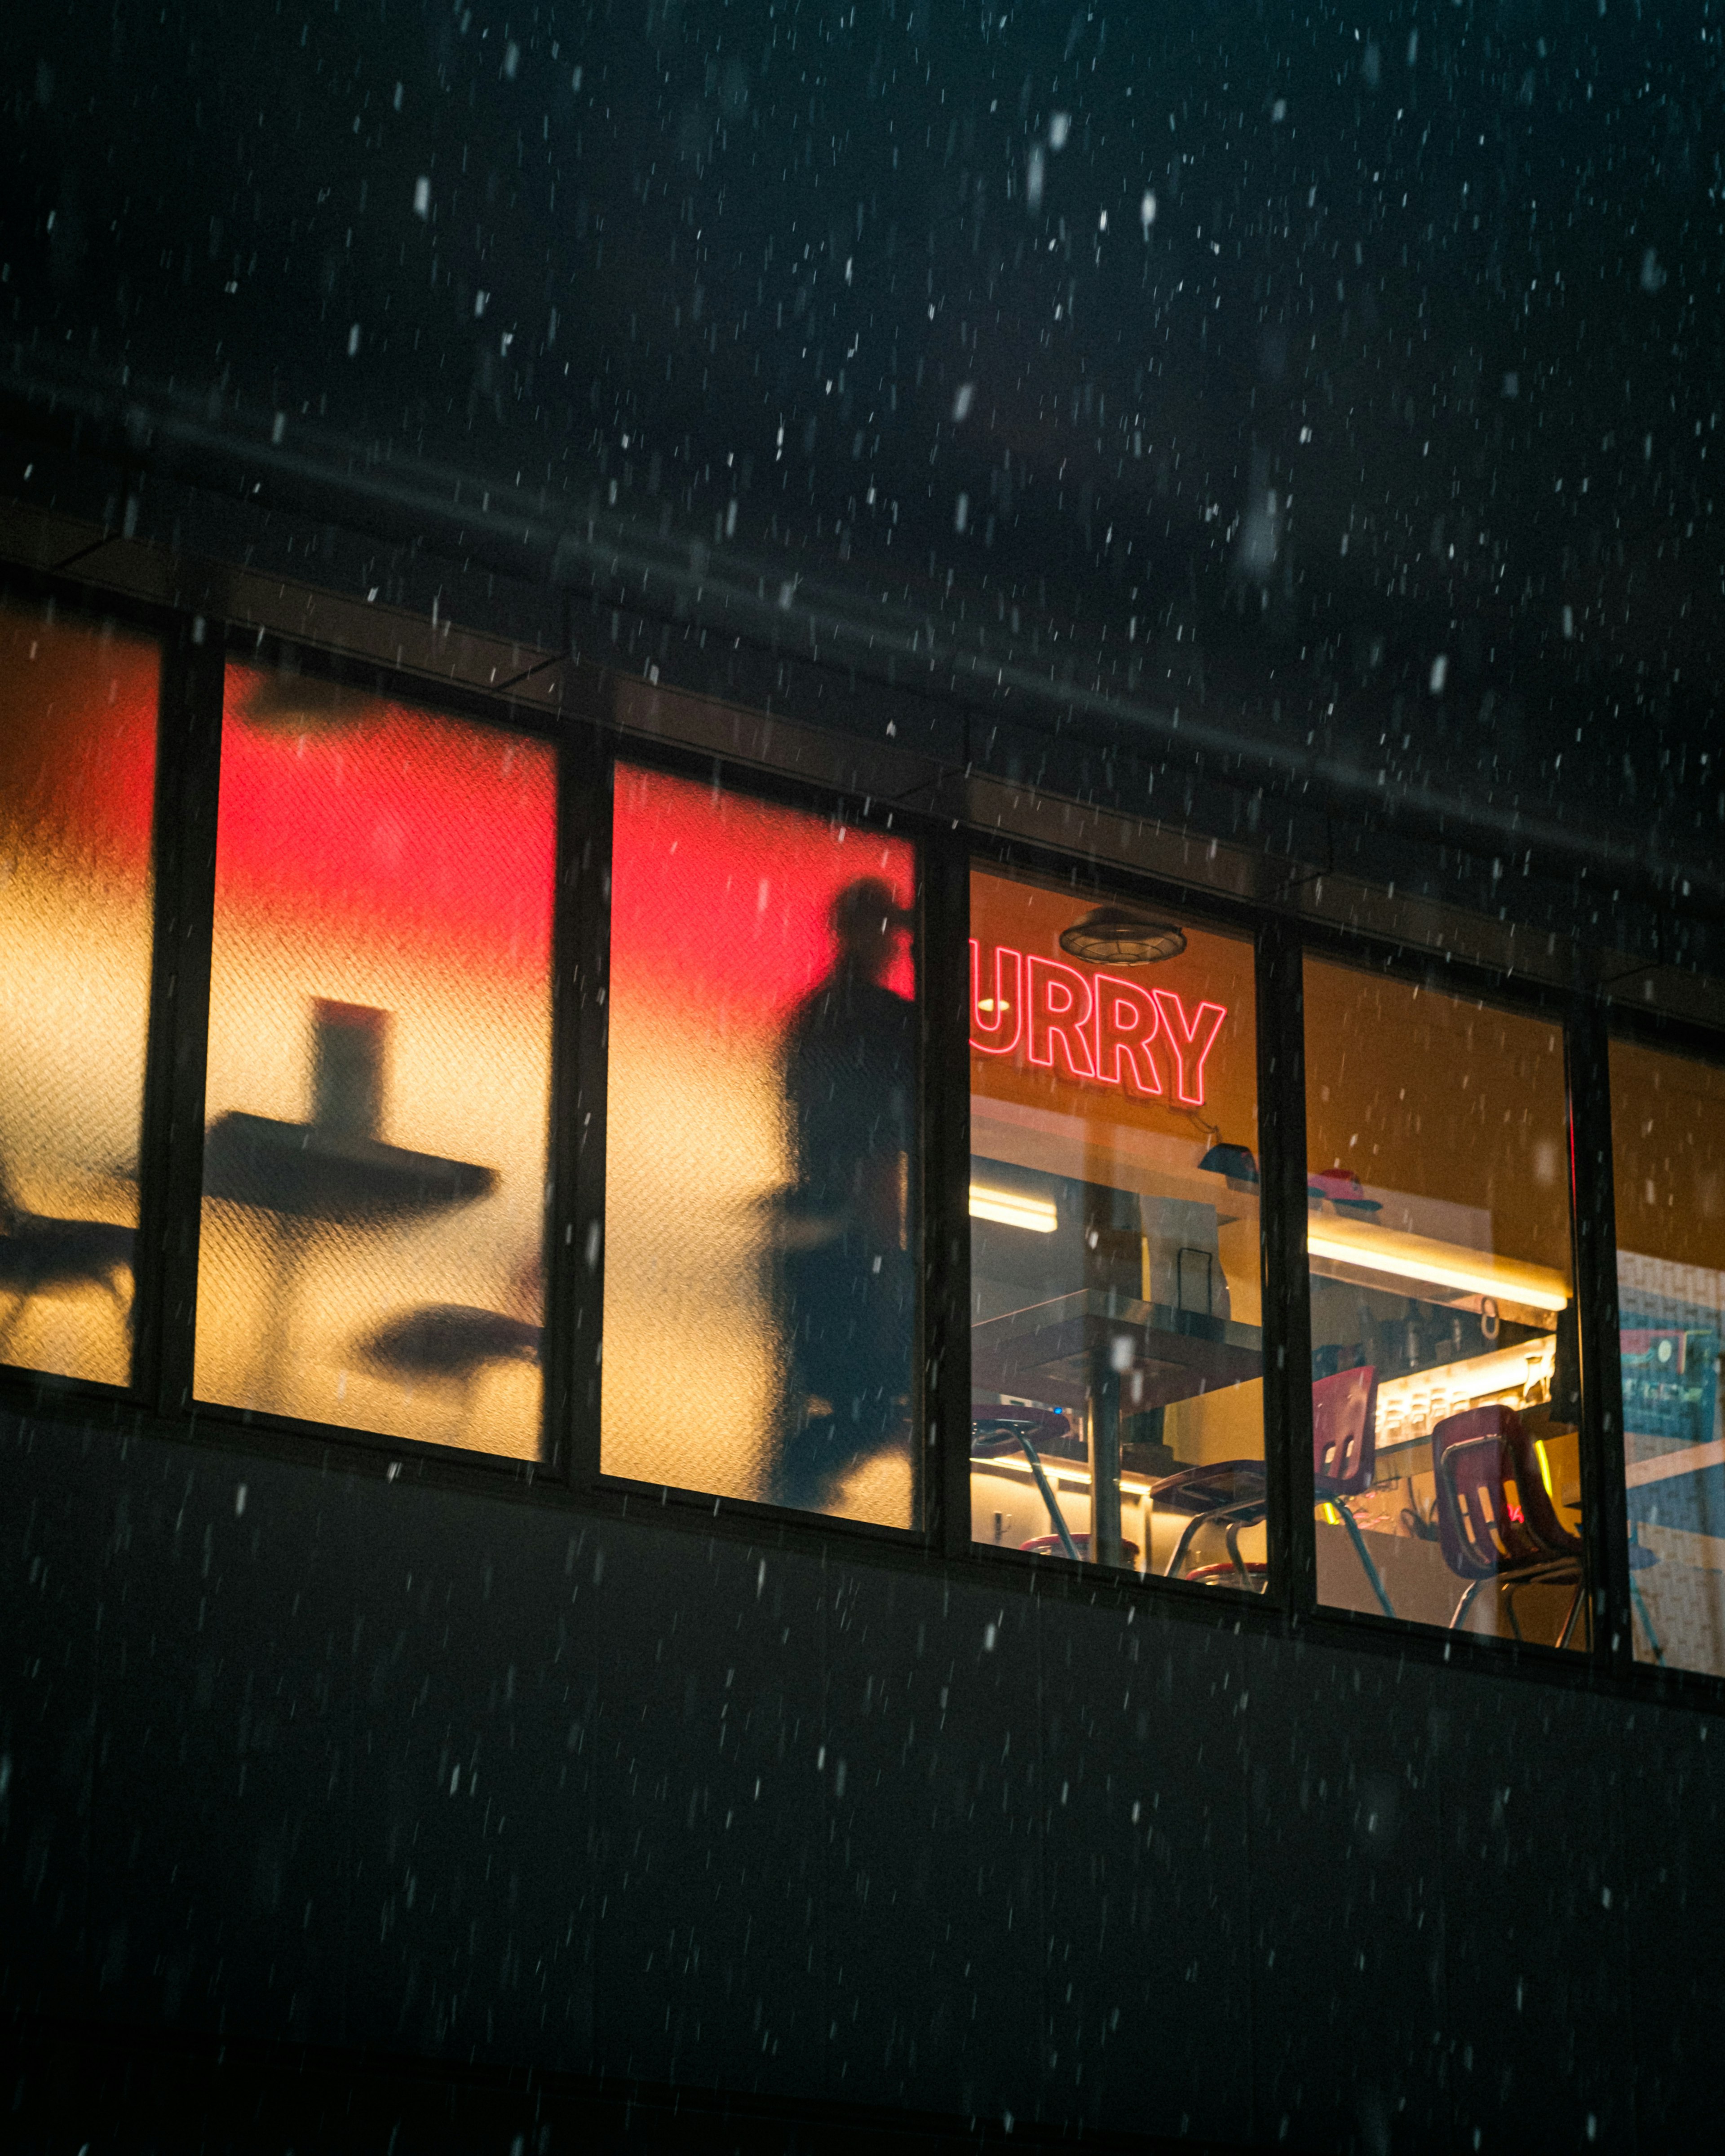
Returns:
(999, 1430)
(1344, 1435)
(1493, 1513)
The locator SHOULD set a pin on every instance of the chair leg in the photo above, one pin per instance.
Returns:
(1506, 1596)
(1232, 1539)
(1465, 1603)
(1576, 1601)
(1364, 1555)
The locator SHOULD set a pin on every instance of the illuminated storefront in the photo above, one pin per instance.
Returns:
(740, 1301)
(498, 1099)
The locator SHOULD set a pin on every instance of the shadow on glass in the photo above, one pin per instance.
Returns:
(77, 777)
(760, 1265)
(379, 1068)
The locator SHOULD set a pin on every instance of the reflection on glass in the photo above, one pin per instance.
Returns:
(1443, 1365)
(77, 777)
(1117, 1400)
(1668, 1147)
(379, 1068)
(760, 1283)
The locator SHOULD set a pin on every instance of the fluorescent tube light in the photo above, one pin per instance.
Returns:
(1443, 1264)
(1012, 1209)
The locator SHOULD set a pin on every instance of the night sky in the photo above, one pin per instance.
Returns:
(1357, 374)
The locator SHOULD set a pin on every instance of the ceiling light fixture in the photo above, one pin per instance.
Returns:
(1374, 1250)
(1114, 936)
(1011, 1210)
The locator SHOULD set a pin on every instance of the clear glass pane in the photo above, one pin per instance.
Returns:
(1444, 1364)
(379, 1068)
(761, 1204)
(77, 780)
(1668, 1147)
(1117, 1359)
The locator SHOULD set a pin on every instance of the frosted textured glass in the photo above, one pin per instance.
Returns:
(379, 1068)
(77, 776)
(760, 1203)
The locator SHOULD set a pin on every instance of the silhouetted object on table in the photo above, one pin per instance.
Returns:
(347, 1044)
(333, 1170)
(849, 1290)
(40, 1255)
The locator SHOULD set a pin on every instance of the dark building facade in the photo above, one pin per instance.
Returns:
(862, 1081)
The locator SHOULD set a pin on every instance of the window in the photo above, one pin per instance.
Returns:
(379, 1092)
(77, 779)
(1668, 1147)
(761, 1201)
(1117, 1359)
(1444, 1361)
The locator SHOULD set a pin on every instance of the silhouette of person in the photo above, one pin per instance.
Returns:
(848, 1286)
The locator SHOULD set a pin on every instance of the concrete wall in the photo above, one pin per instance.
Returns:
(370, 1762)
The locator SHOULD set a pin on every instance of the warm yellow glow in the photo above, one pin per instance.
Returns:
(283, 1309)
(1012, 1210)
(1443, 1265)
(1539, 1453)
(1411, 1407)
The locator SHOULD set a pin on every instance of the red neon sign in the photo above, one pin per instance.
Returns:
(1095, 1027)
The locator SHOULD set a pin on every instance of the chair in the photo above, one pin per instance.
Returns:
(1214, 1494)
(450, 1344)
(41, 1255)
(1344, 1456)
(1007, 1429)
(1496, 1522)
(1344, 1452)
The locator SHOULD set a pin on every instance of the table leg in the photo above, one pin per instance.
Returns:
(1102, 1436)
(268, 1387)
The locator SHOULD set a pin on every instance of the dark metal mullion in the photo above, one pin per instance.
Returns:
(575, 1221)
(1287, 1288)
(1604, 1503)
(170, 1146)
(945, 965)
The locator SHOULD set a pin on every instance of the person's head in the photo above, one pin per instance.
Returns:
(867, 921)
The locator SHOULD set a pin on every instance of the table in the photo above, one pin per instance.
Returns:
(304, 1170)
(1077, 1350)
(309, 1177)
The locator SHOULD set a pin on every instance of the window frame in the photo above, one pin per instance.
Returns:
(1684, 1037)
(185, 925)
(589, 739)
(932, 1327)
(1280, 1115)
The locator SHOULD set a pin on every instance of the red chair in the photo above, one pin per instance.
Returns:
(1344, 1454)
(1495, 1521)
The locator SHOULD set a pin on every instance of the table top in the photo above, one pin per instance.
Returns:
(1045, 1349)
(308, 1173)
